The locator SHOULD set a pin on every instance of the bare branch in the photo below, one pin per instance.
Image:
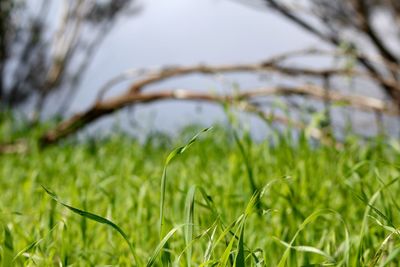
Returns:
(364, 19)
(334, 39)
(266, 66)
(17, 147)
(105, 107)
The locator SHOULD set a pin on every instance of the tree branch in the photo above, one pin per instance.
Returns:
(109, 106)
(391, 89)
(364, 18)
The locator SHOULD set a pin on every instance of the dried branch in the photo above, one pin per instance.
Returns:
(105, 107)
(335, 39)
(17, 147)
(266, 66)
(271, 117)
(364, 18)
(135, 93)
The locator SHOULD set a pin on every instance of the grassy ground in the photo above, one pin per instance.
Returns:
(225, 202)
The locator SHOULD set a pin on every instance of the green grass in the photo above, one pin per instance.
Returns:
(117, 202)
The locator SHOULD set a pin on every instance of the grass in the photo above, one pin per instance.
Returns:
(118, 202)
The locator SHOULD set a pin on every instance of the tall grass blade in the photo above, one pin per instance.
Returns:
(204, 233)
(240, 258)
(308, 220)
(228, 251)
(309, 249)
(189, 211)
(393, 255)
(247, 162)
(171, 156)
(33, 244)
(160, 246)
(207, 254)
(8, 248)
(370, 206)
(94, 217)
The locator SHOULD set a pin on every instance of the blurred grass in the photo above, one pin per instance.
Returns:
(319, 205)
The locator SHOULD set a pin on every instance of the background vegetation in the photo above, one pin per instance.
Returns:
(312, 204)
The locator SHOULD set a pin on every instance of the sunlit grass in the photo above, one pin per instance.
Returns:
(290, 204)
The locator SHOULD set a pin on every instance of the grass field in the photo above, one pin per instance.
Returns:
(221, 202)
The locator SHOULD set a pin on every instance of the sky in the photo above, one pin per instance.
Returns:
(185, 32)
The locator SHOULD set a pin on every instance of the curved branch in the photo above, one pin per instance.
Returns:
(271, 65)
(105, 107)
(16, 147)
(134, 94)
(266, 66)
(364, 18)
(390, 88)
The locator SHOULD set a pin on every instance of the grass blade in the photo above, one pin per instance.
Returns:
(240, 258)
(171, 156)
(160, 246)
(8, 248)
(94, 217)
(308, 220)
(33, 244)
(189, 210)
(309, 249)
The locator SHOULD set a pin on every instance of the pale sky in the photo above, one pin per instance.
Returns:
(171, 32)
